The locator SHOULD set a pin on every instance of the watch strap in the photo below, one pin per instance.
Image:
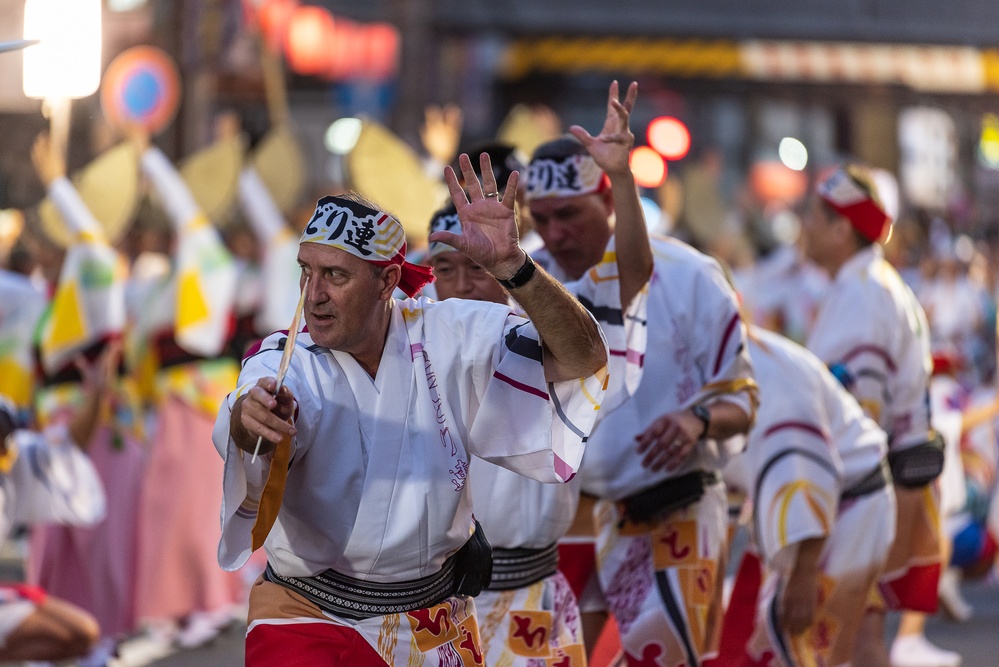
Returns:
(524, 274)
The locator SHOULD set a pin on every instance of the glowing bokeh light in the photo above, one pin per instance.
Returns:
(342, 135)
(648, 167)
(793, 153)
(669, 137)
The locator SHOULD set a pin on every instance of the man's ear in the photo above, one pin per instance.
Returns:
(390, 277)
(607, 196)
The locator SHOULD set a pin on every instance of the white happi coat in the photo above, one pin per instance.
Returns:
(871, 329)
(516, 511)
(698, 345)
(50, 481)
(376, 487)
(810, 443)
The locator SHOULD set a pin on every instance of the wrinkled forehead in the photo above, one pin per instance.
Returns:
(321, 255)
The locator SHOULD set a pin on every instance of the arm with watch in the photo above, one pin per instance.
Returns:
(672, 437)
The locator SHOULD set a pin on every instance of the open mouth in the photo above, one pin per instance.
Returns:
(323, 318)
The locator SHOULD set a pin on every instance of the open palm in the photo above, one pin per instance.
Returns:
(612, 147)
(488, 223)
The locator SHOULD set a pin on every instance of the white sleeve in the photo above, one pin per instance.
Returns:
(242, 480)
(259, 207)
(72, 208)
(599, 291)
(721, 344)
(174, 193)
(53, 481)
(524, 423)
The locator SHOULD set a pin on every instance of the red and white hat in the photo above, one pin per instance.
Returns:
(864, 212)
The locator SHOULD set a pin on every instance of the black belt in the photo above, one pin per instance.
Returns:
(673, 493)
(518, 568)
(878, 479)
(355, 599)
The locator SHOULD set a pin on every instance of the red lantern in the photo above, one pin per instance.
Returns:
(648, 166)
(771, 181)
(273, 17)
(309, 32)
(382, 46)
(340, 59)
(669, 137)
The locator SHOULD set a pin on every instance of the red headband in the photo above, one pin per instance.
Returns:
(414, 276)
(849, 200)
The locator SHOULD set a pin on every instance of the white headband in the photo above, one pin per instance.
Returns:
(443, 223)
(570, 177)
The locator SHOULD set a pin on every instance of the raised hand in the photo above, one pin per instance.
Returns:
(612, 147)
(488, 223)
(441, 132)
(99, 375)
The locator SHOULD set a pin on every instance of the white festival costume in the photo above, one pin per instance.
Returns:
(661, 579)
(811, 442)
(541, 621)
(700, 356)
(46, 479)
(377, 485)
(873, 335)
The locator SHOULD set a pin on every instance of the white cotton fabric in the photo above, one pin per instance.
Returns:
(376, 486)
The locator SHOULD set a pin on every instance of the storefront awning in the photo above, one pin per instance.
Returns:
(954, 69)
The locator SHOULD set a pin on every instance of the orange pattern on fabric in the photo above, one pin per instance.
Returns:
(530, 633)
(468, 645)
(674, 543)
(568, 656)
(433, 627)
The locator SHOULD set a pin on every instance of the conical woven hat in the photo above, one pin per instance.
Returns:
(385, 169)
(212, 174)
(281, 165)
(109, 186)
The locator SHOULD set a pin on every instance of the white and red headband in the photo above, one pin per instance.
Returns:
(844, 196)
(368, 234)
(575, 175)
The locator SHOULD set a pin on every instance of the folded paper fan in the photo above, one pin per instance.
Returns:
(109, 186)
(281, 165)
(385, 169)
(527, 129)
(212, 174)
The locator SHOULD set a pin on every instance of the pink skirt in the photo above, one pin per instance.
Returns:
(179, 527)
(95, 567)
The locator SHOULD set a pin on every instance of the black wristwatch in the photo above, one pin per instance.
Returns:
(702, 413)
(524, 273)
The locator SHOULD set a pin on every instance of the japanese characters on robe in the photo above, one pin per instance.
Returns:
(541, 621)
(811, 443)
(377, 488)
(872, 334)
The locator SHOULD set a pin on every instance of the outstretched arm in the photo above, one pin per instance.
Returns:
(572, 344)
(611, 150)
